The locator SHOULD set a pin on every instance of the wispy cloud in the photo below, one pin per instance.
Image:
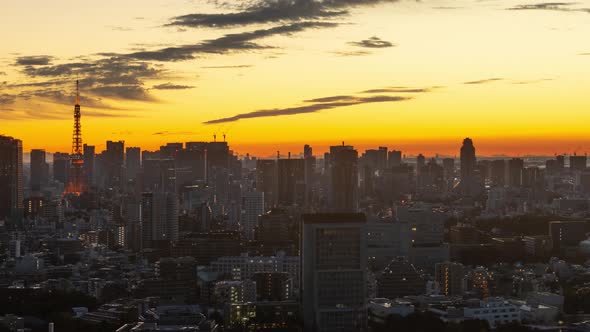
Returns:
(173, 133)
(34, 60)
(171, 86)
(230, 43)
(313, 106)
(484, 81)
(227, 67)
(555, 6)
(373, 42)
(351, 53)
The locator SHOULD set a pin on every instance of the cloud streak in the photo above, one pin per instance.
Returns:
(313, 106)
(484, 81)
(373, 42)
(554, 6)
(171, 86)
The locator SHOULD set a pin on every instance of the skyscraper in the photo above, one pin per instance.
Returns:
(334, 270)
(11, 178)
(252, 207)
(343, 177)
(132, 162)
(266, 180)
(469, 184)
(89, 162)
(449, 277)
(291, 182)
(61, 167)
(114, 158)
(39, 170)
(159, 218)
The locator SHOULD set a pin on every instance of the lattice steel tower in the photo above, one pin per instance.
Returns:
(77, 185)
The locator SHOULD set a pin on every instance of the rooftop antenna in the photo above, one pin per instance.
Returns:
(224, 137)
(214, 137)
(278, 154)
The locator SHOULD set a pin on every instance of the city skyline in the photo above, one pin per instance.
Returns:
(275, 77)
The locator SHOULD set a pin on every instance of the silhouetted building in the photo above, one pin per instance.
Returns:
(334, 273)
(273, 286)
(252, 207)
(394, 158)
(291, 182)
(132, 162)
(11, 178)
(498, 173)
(343, 175)
(515, 170)
(266, 180)
(61, 167)
(114, 159)
(89, 164)
(578, 163)
(39, 170)
(159, 218)
(566, 234)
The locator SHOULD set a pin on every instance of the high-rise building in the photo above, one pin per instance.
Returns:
(273, 286)
(291, 182)
(61, 167)
(159, 218)
(498, 172)
(394, 158)
(578, 163)
(266, 180)
(515, 170)
(252, 207)
(39, 170)
(89, 164)
(343, 177)
(132, 162)
(11, 178)
(114, 158)
(334, 270)
(449, 277)
(471, 183)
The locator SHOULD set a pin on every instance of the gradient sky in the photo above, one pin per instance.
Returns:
(273, 75)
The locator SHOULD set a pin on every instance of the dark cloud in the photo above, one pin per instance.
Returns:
(373, 42)
(316, 105)
(487, 80)
(2, 73)
(272, 11)
(34, 60)
(6, 99)
(555, 6)
(235, 42)
(112, 77)
(171, 86)
(263, 12)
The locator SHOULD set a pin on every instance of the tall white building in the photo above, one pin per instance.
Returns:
(334, 270)
(252, 207)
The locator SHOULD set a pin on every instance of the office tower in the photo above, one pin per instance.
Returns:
(470, 181)
(114, 158)
(266, 180)
(449, 277)
(275, 226)
(578, 163)
(420, 162)
(310, 170)
(217, 156)
(334, 270)
(132, 162)
(400, 278)
(343, 177)
(449, 168)
(498, 173)
(89, 164)
(11, 178)
(39, 170)
(515, 170)
(61, 167)
(291, 182)
(252, 207)
(192, 158)
(170, 150)
(159, 218)
(273, 286)
(394, 158)
(479, 280)
(77, 183)
(566, 234)
(560, 162)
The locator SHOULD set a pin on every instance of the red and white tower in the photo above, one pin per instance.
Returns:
(76, 184)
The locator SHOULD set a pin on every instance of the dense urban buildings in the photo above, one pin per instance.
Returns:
(193, 236)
